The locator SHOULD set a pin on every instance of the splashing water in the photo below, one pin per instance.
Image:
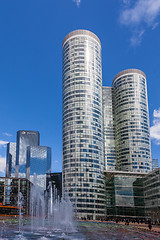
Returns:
(50, 217)
(50, 211)
(20, 202)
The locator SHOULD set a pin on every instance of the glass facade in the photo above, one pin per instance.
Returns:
(10, 189)
(125, 197)
(24, 139)
(83, 155)
(152, 195)
(11, 159)
(56, 180)
(132, 132)
(38, 164)
(155, 164)
(109, 131)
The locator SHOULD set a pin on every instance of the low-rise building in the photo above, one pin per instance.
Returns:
(152, 195)
(11, 190)
(124, 195)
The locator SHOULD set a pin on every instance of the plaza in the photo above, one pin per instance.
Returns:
(84, 230)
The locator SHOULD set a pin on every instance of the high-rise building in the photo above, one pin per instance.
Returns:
(24, 139)
(38, 164)
(131, 119)
(109, 131)
(11, 159)
(155, 164)
(83, 153)
(100, 131)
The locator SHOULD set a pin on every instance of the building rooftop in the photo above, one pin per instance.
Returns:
(81, 32)
(128, 71)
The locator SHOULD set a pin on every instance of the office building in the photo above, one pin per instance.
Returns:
(131, 120)
(10, 189)
(103, 128)
(109, 131)
(155, 164)
(24, 139)
(125, 195)
(38, 164)
(83, 152)
(11, 159)
(152, 195)
(56, 180)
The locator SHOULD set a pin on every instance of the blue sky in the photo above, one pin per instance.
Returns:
(31, 35)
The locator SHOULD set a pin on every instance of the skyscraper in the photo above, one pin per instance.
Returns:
(24, 139)
(11, 159)
(131, 117)
(83, 153)
(109, 131)
(155, 164)
(38, 164)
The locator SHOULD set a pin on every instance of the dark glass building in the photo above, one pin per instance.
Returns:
(125, 196)
(38, 164)
(56, 180)
(24, 139)
(152, 195)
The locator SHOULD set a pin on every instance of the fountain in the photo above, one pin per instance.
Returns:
(48, 211)
(50, 217)
(20, 202)
(3, 227)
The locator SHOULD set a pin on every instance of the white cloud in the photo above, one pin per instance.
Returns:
(136, 38)
(142, 11)
(155, 25)
(7, 134)
(126, 2)
(2, 164)
(3, 143)
(156, 113)
(139, 15)
(77, 2)
(155, 129)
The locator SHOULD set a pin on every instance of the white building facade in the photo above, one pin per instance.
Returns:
(131, 117)
(83, 152)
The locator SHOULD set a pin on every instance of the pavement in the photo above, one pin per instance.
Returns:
(143, 226)
(140, 226)
(111, 230)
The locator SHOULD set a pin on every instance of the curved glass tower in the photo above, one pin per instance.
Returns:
(83, 157)
(132, 132)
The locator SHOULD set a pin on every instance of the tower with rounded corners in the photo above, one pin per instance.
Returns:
(131, 116)
(83, 156)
